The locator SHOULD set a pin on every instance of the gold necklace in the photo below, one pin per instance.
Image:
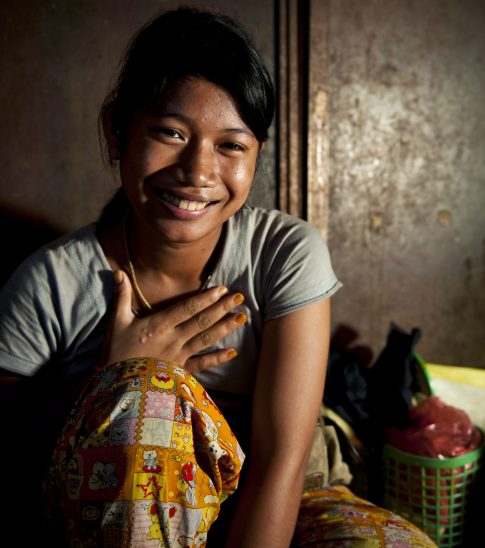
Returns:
(138, 290)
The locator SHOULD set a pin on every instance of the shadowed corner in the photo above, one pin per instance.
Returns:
(24, 233)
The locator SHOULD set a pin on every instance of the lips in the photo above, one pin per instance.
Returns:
(181, 203)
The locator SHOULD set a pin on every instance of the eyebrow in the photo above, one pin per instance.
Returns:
(186, 120)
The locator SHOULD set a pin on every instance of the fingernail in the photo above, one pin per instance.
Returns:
(231, 354)
(238, 298)
(241, 318)
(221, 291)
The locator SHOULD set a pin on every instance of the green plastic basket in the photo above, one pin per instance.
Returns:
(432, 493)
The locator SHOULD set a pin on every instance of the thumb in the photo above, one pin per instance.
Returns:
(123, 296)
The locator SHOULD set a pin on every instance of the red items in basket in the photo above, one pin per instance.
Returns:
(436, 430)
(433, 488)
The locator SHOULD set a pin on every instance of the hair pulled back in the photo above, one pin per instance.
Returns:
(189, 42)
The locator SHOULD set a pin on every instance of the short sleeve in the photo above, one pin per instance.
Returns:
(54, 308)
(298, 268)
(29, 329)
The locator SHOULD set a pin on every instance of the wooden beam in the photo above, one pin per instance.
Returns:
(291, 195)
(303, 144)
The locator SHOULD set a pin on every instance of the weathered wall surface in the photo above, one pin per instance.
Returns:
(57, 60)
(407, 189)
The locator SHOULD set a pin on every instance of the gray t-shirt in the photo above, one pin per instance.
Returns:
(55, 308)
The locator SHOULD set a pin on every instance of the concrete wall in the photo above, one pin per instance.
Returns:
(407, 189)
(57, 61)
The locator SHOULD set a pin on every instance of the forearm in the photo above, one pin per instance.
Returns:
(268, 508)
(283, 423)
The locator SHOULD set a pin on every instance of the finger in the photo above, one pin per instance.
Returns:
(187, 309)
(212, 359)
(122, 312)
(215, 333)
(208, 317)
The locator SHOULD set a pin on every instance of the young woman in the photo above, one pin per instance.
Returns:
(181, 295)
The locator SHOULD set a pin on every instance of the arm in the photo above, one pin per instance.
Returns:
(288, 395)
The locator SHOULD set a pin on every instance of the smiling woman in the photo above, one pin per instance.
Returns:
(198, 325)
(188, 167)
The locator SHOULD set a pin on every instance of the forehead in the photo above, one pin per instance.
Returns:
(197, 99)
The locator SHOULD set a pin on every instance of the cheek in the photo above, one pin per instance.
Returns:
(144, 158)
(243, 174)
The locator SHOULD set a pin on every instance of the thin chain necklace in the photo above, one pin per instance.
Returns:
(138, 290)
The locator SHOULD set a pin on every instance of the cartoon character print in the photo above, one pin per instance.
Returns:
(119, 432)
(150, 461)
(170, 531)
(161, 517)
(103, 476)
(189, 470)
(106, 379)
(215, 451)
(215, 447)
(126, 404)
(115, 513)
(163, 381)
(211, 432)
(155, 531)
(187, 404)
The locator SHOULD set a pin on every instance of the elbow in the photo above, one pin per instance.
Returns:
(284, 461)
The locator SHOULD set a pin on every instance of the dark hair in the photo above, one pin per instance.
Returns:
(189, 42)
(178, 44)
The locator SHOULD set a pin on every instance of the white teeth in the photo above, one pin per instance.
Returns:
(189, 205)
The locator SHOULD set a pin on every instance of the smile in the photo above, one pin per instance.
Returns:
(188, 205)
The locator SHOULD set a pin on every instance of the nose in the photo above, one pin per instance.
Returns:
(198, 162)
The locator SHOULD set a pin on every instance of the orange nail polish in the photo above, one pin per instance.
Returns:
(222, 291)
(238, 298)
(231, 354)
(241, 318)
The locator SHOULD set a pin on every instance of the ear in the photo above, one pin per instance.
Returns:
(112, 141)
(262, 144)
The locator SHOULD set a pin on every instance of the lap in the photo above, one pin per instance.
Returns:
(146, 448)
(145, 458)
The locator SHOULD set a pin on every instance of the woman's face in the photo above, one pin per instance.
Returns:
(188, 166)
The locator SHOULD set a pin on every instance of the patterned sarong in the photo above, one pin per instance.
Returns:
(145, 459)
(334, 517)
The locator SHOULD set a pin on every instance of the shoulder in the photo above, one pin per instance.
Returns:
(81, 242)
(273, 233)
(64, 251)
(67, 262)
(286, 259)
(273, 224)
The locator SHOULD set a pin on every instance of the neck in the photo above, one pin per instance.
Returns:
(163, 272)
(171, 260)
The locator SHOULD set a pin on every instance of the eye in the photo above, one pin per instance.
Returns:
(233, 147)
(167, 132)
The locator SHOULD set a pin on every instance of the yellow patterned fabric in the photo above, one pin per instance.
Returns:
(145, 459)
(336, 518)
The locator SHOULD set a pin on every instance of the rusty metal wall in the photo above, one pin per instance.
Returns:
(57, 60)
(406, 81)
